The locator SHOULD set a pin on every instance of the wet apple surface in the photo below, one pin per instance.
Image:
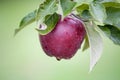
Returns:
(65, 39)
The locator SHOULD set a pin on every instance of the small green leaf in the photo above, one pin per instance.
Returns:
(97, 10)
(113, 17)
(67, 6)
(50, 22)
(95, 42)
(112, 32)
(47, 8)
(30, 18)
(86, 44)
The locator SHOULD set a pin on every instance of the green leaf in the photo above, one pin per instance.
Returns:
(47, 8)
(112, 4)
(50, 22)
(113, 17)
(95, 42)
(118, 1)
(67, 6)
(30, 18)
(97, 10)
(81, 2)
(105, 1)
(86, 15)
(112, 32)
(81, 8)
(86, 44)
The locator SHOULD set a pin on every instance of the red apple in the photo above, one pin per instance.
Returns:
(65, 39)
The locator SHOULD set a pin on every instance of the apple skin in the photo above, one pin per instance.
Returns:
(65, 39)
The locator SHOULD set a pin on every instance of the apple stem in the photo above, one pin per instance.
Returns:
(79, 18)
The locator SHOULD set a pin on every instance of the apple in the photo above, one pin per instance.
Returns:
(65, 39)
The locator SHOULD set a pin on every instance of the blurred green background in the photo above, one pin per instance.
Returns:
(21, 57)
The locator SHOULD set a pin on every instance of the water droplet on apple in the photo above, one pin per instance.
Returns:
(43, 27)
